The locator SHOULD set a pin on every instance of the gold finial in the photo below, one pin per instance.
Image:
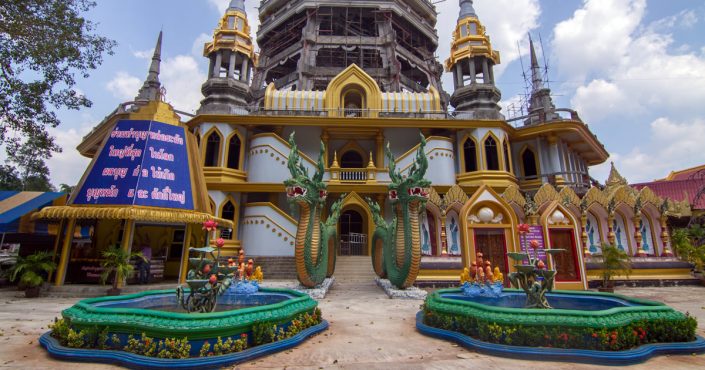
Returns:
(335, 160)
(371, 163)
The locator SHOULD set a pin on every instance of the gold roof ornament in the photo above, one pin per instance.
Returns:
(614, 180)
(232, 32)
(470, 38)
(135, 213)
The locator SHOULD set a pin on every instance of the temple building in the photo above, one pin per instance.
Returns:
(361, 75)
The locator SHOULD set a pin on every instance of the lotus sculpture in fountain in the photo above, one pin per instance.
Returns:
(532, 275)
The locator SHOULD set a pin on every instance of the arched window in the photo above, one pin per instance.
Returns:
(492, 154)
(234, 152)
(351, 159)
(507, 159)
(528, 163)
(228, 213)
(212, 150)
(470, 155)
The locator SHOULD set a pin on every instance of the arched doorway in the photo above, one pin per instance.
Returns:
(353, 239)
(352, 159)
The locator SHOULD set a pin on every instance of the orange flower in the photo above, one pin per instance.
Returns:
(534, 244)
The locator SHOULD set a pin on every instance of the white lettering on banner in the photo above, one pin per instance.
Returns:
(129, 134)
(162, 174)
(126, 152)
(174, 139)
(160, 154)
(115, 172)
(166, 194)
(97, 193)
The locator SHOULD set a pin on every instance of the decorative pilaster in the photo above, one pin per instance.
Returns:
(584, 235)
(335, 170)
(640, 252)
(610, 228)
(665, 237)
(371, 171)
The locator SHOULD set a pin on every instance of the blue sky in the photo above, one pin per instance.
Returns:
(634, 69)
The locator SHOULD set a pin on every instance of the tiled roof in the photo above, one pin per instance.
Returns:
(677, 190)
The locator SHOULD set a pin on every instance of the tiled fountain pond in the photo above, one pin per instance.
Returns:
(145, 313)
(598, 328)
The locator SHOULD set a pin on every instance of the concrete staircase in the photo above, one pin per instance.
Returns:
(276, 268)
(354, 269)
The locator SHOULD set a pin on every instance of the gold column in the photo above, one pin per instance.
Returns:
(379, 140)
(610, 229)
(665, 238)
(637, 236)
(56, 246)
(126, 245)
(325, 138)
(63, 261)
(185, 254)
(584, 235)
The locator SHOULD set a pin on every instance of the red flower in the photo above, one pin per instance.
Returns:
(210, 225)
(534, 244)
(206, 269)
(594, 335)
(541, 265)
(220, 242)
(523, 228)
(213, 279)
(243, 335)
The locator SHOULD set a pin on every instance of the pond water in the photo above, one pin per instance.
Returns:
(557, 301)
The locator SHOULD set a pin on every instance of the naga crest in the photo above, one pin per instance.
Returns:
(301, 188)
(412, 186)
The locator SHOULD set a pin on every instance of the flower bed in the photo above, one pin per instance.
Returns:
(101, 338)
(615, 329)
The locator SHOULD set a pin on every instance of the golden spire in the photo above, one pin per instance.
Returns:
(232, 33)
(615, 179)
(470, 38)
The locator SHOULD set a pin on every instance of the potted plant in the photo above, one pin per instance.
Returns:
(685, 242)
(615, 262)
(32, 271)
(116, 263)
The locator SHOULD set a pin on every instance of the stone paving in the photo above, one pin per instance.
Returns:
(367, 331)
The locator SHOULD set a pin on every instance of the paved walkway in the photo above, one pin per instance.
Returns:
(367, 331)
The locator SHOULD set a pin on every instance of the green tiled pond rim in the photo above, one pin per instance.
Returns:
(160, 324)
(610, 318)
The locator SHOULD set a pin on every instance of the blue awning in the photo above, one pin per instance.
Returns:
(14, 205)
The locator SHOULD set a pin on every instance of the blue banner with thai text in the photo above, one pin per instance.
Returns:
(143, 163)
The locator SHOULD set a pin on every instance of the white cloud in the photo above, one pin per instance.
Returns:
(182, 79)
(68, 166)
(221, 5)
(630, 77)
(597, 36)
(124, 86)
(144, 54)
(197, 47)
(506, 21)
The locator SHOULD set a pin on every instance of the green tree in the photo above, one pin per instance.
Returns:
(29, 169)
(45, 45)
(9, 178)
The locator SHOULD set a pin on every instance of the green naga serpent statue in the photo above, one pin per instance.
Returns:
(316, 241)
(396, 246)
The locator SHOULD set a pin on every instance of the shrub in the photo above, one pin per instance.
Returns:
(603, 339)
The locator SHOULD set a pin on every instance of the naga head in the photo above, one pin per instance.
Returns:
(412, 186)
(300, 188)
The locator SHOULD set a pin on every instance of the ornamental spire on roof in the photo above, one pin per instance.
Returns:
(615, 179)
(536, 77)
(237, 4)
(150, 90)
(466, 9)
